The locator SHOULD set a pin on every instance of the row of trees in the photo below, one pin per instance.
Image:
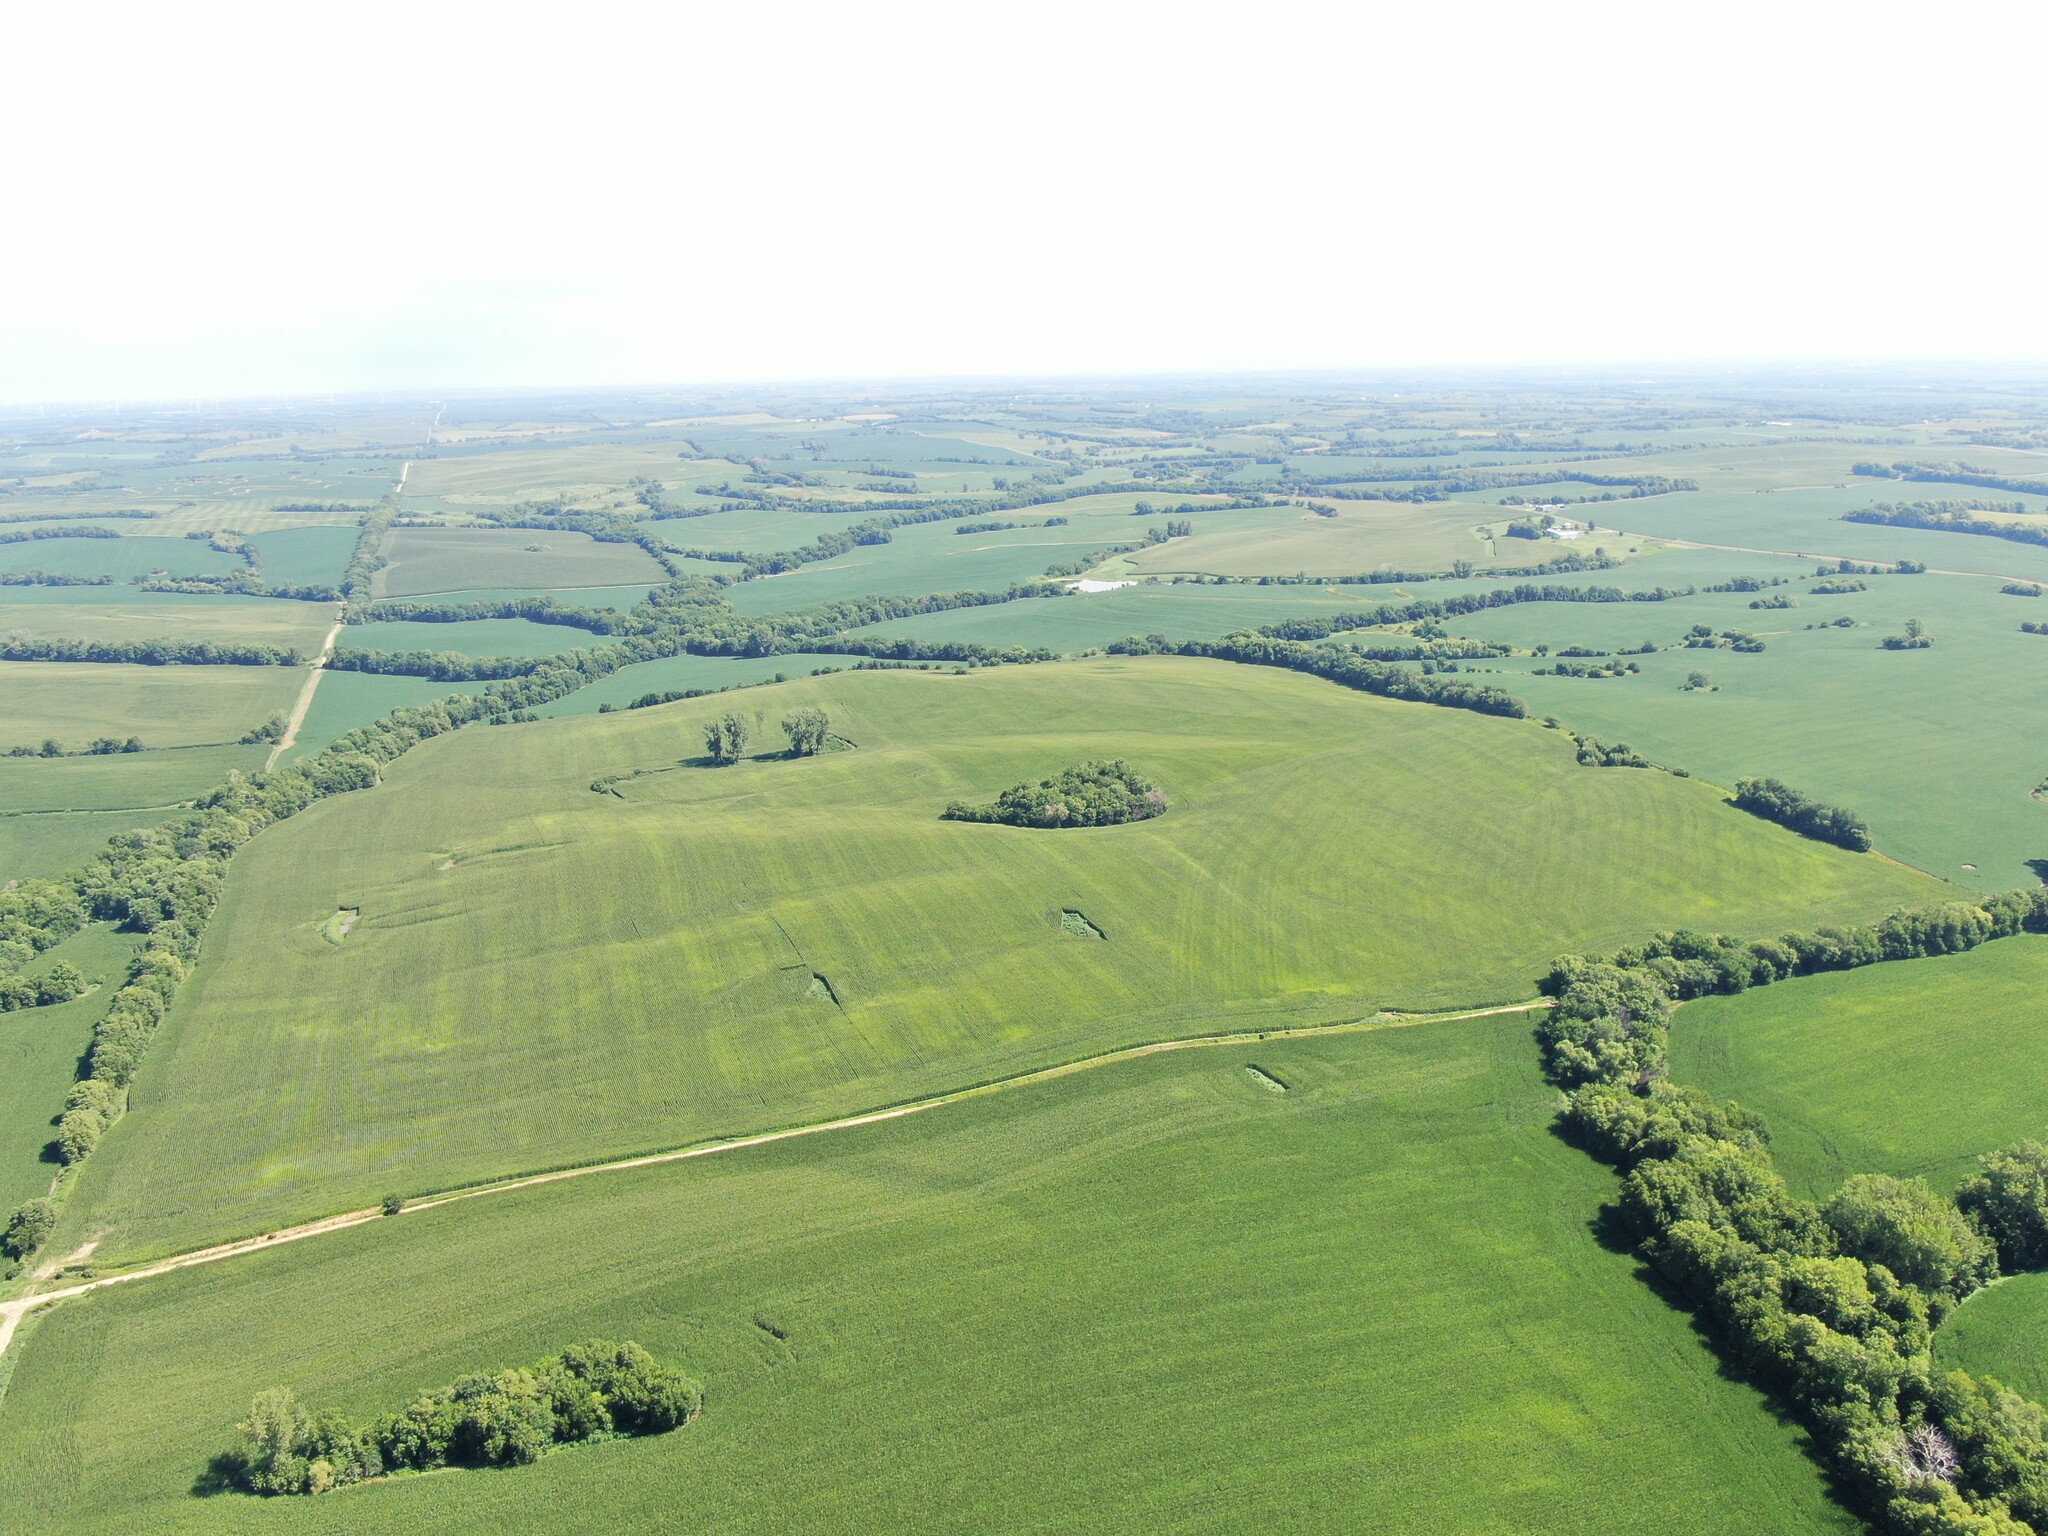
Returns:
(442, 666)
(150, 653)
(537, 610)
(501, 1419)
(1832, 1306)
(1776, 801)
(1100, 793)
(1340, 666)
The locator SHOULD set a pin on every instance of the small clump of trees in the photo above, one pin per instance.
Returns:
(1786, 806)
(806, 729)
(501, 1419)
(1094, 794)
(726, 737)
(1915, 638)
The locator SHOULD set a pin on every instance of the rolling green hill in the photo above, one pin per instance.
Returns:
(578, 941)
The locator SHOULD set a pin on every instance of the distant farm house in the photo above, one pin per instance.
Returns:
(1562, 532)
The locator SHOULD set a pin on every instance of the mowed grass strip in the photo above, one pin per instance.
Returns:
(1152, 1297)
(1912, 1067)
(543, 974)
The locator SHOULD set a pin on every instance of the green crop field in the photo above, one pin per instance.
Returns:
(637, 966)
(1911, 1068)
(679, 674)
(2002, 1332)
(423, 561)
(164, 706)
(344, 700)
(1357, 536)
(472, 637)
(39, 1051)
(1157, 1296)
(1910, 740)
(123, 559)
(43, 844)
(120, 614)
(306, 556)
(125, 780)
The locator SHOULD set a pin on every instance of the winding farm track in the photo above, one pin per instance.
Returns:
(305, 699)
(12, 1312)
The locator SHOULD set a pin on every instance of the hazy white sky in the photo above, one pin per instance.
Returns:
(208, 199)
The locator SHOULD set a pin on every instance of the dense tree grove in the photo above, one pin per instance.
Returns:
(1094, 794)
(1322, 627)
(84, 531)
(1833, 1307)
(503, 1419)
(1809, 817)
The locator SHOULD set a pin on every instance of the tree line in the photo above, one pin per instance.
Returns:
(1343, 667)
(1831, 1306)
(151, 653)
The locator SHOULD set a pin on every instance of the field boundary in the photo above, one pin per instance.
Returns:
(13, 1311)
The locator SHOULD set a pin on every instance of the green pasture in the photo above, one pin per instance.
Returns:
(1921, 743)
(1158, 1296)
(456, 560)
(577, 941)
(124, 559)
(76, 701)
(125, 613)
(1909, 1067)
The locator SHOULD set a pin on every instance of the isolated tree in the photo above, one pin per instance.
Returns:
(1915, 630)
(1695, 680)
(726, 737)
(805, 729)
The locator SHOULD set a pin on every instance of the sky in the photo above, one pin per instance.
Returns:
(210, 200)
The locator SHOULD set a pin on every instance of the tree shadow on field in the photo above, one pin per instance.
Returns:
(1610, 1227)
(218, 1478)
(2040, 869)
